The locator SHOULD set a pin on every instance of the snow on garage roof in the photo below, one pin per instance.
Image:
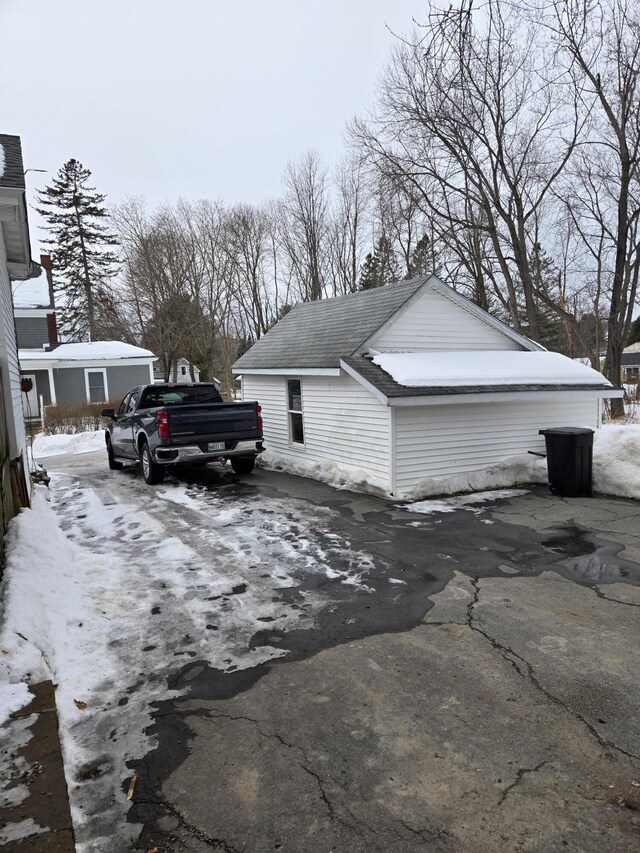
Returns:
(486, 368)
(95, 351)
(32, 292)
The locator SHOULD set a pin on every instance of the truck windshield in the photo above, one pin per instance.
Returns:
(176, 395)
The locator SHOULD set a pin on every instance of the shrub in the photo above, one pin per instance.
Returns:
(71, 418)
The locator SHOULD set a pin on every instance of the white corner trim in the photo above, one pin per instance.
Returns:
(52, 386)
(101, 370)
(365, 383)
(287, 371)
(503, 397)
(392, 452)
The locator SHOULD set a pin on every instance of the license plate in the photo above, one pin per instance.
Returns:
(215, 445)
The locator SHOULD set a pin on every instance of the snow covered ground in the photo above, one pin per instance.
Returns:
(56, 445)
(112, 587)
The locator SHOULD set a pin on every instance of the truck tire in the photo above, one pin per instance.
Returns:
(114, 465)
(243, 464)
(152, 473)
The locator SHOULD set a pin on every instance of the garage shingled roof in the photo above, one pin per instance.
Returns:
(319, 334)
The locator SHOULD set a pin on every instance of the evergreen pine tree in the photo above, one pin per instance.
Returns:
(381, 267)
(424, 258)
(634, 333)
(551, 331)
(369, 272)
(80, 247)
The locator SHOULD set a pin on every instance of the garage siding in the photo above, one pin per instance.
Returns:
(434, 323)
(342, 421)
(438, 441)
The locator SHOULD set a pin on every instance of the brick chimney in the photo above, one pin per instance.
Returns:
(52, 328)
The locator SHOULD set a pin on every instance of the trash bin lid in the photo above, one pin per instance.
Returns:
(566, 431)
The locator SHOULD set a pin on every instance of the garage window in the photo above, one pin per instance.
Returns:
(96, 385)
(296, 426)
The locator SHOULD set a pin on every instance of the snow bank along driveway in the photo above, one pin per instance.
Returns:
(113, 586)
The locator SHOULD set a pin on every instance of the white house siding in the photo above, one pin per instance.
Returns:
(9, 361)
(438, 441)
(342, 421)
(435, 323)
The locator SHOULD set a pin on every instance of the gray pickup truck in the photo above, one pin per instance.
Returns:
(159, 425)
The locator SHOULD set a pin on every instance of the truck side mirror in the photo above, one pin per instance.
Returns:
(108, 413)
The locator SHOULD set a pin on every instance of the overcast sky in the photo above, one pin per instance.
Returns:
(192, 98)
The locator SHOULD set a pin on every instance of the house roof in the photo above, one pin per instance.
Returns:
(631, 359)
(94, 351)
(11, 166)
(374, 375)
(318, 334)
(32, 292)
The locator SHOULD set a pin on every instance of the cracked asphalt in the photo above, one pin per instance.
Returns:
(487, 702)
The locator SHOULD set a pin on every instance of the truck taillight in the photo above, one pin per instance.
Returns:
(259, 417)
(163, 424)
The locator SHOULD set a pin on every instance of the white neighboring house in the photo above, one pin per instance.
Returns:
(69, 372)
(15, 261)
(181, 373)
(409, 382)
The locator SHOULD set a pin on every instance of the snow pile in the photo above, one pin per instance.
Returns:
(473, 503)
(445, 369)
(514, 471)
(616, 460)
(335, 474)
(56, 445)
(616, 470)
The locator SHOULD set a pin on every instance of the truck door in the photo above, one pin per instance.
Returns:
(122, 430)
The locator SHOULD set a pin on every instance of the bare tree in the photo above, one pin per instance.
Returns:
(599, 41)
(348, 226)
(304, 224)
(469, 121)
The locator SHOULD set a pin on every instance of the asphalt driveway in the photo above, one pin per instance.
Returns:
(326, 671)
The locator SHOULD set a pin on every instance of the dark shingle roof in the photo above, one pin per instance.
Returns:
(631, 359)
(13, 174)
(318, 334)
(381, 380)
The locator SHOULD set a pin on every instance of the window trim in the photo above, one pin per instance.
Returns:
(290, 411)
(102, 370)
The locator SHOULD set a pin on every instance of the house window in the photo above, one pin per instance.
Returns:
(296, 426)
(96, 385)
(183, 370)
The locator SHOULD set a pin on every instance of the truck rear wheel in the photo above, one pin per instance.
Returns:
(151, 471)
(243, 464)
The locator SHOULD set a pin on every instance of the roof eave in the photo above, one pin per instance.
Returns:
(493, 396)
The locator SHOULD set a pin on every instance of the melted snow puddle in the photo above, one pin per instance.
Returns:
(472, 503)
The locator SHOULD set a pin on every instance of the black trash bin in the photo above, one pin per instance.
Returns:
(569, 460)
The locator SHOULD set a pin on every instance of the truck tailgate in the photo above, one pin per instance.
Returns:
(204, 422)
